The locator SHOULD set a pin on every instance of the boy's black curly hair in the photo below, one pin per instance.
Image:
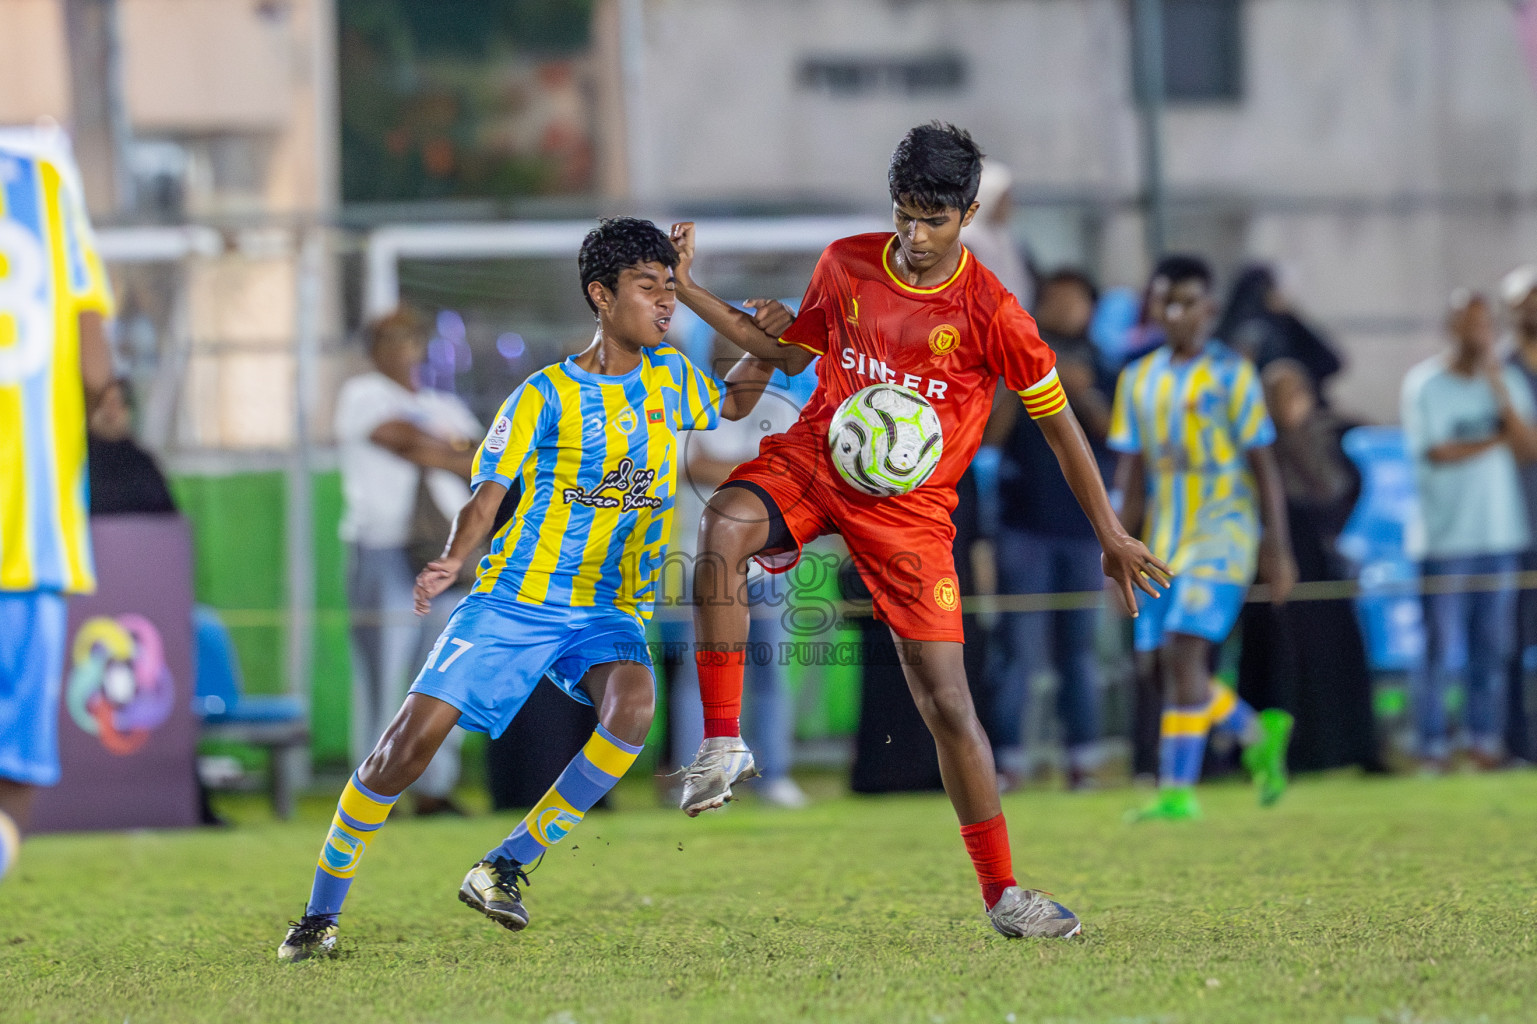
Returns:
(1181, 267)
(617, 243)
(936, 166)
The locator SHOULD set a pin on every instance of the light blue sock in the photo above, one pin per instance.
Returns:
(594, 771)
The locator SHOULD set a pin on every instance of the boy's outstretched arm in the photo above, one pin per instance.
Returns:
(745, 382)
(1126, 560)
(470, 528)
(757, 334)
(1277, 566)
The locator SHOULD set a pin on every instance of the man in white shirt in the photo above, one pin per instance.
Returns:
(1468, 420)
(405, 462)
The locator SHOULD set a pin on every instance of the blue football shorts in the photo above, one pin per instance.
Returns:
(1193, 606)
(32, 640)
(493, 653)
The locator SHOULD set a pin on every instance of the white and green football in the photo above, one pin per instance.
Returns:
(885, 440)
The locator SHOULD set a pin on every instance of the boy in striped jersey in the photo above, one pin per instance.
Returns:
(570, 578)
(55, 365)
(1200, 482)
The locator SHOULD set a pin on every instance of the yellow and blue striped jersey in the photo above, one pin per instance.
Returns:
(597, 458)
(1193, 422)
(49, 274)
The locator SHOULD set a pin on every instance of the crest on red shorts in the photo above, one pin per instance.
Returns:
(945, 594)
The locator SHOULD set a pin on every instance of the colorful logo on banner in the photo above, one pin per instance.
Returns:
(120, 689)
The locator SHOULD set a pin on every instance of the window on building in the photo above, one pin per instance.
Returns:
(465, 99)
(904, 76)
(1202, 51)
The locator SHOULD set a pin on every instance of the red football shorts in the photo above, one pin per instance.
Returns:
(902, 546)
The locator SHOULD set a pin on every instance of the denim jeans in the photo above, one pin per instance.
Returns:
(1478, 629)
(1033, 563)
(768, 724)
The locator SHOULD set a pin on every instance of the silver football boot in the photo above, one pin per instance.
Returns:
(721, 763)
(1030, 913)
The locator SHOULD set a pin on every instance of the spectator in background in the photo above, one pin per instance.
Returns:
(1045, 544)
(1519, 290)
(1307, 657)
(768, 719)
(54, 366)
(990, 239)
(1467, 419)
(405, 462)
(1258, 321)
(126, 480)
(124, 477)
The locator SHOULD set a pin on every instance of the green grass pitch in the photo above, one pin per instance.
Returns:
(1397, 901)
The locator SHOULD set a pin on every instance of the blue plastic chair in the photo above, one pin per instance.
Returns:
(279, 723)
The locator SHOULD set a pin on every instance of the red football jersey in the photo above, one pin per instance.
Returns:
(950, 343)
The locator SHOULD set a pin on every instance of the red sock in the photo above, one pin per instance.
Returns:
(988, 844)
(720, 690)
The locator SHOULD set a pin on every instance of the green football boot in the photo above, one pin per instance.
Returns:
(1265, 758)
(1174, 804)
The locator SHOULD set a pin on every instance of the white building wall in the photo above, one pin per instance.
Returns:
(1385, 151)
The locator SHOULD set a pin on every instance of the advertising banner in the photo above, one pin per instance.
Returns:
(127, 733)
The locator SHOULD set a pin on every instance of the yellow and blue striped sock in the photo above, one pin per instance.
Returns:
(595, 770)
(359, 814)
(1181, 745)
(1230, 712)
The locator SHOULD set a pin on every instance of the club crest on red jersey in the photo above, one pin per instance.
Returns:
(944, 339)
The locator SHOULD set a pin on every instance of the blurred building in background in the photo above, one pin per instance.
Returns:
(215, 113)
(248, 161)
(1384, 151)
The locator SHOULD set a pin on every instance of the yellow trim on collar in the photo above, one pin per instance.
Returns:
(886, 266)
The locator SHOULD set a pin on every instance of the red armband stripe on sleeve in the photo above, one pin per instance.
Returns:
(1050, 409)
(1046, 398)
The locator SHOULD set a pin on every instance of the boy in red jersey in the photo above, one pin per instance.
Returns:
(914, 309)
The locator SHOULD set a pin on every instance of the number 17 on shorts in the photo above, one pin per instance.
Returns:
(459, 647)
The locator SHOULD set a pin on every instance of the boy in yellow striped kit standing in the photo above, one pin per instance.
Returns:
(1199, 482)
(570, 579)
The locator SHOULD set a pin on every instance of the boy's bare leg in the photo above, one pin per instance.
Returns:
(407, 746)
(1183, 726)
(16, 801)
(936, 677)
(398, 759)
(735, 526)
(625, 696)
(1187, 669)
